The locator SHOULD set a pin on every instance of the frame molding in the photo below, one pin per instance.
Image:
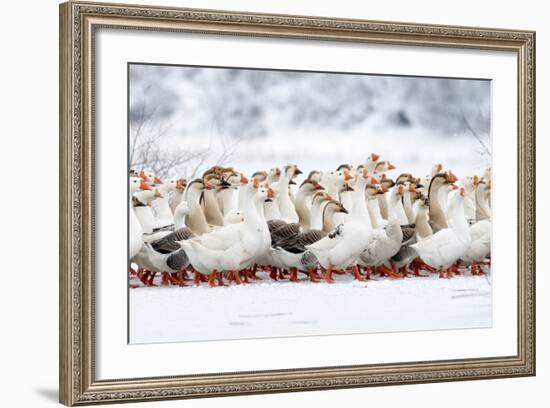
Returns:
(78, 20)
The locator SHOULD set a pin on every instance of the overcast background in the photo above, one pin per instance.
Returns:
(186, 119)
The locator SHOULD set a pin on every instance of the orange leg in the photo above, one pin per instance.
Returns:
(182, 277)
(357, 274)
(385, 271)
(273, 273)
(253, 273)
(164, 280)
(219, 277)
(212, 279)
(143, 276)
(151, 279)
(293, 274)
(197, 277)
(230, 276)
(328, 274)
(237, 275)
(313, 276)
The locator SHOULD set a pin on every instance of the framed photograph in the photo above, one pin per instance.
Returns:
(255, 203)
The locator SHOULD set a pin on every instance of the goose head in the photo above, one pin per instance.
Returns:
(138, 184)
(383, 166)
(148, 196)
(260, 175)
(319, 197)
(469, 183)
(386, 182)
(308, 187)
(150, 177)
(315, 175)
(181, 183)
(345, 166)
(234, 217)
(291, 171)
(373, 158)
(336, 207)
(274, 175)
(194, 191)
(436, 168)
(373, 190)
(346, 188)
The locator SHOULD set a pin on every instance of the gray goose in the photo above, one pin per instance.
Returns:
(292, 251)
(167, 250)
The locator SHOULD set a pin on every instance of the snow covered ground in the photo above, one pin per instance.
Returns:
(280, 309)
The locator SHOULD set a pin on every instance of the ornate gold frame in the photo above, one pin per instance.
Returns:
(78, 21)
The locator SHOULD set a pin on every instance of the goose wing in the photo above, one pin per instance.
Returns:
(297, 243)
(169, 243)
(284, 232)
(408, 233)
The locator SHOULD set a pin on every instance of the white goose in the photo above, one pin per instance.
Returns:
(342, 248)
(480, 231)
(286, 206)
(447, 245)
(234, 247)
(136, 231)
(179, 194)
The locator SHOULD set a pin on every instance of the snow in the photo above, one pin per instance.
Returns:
(281, 309)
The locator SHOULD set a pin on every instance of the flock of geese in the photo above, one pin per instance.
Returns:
(224, 227)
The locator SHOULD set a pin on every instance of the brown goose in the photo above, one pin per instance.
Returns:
(195, 220)
(303, 201)
(209, 202)
(438, 219)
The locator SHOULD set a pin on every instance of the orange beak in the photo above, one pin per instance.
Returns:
(384, 188)
(255, 183)
(374, 157)
(144, 186)
(270, 193)
(391, 166)
(400, 189)
(373, 180)
(365, 173)
(328, 196)
(243, 180)
(180, 184)
(347, 176)
(412, 188)
(158, 194)
(454, 186)
(142, 175)
(383, 176)
(157, 180)
(208, 186)
(462, 191)
(476, 180)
